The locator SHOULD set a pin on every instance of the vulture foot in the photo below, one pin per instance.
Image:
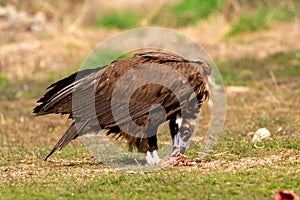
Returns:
(152, 158)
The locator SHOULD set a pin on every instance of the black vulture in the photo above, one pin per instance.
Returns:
(93, 100)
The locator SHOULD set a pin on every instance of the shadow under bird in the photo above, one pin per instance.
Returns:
(162, 87)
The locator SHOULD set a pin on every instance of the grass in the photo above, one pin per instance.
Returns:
(188, 12)
(88, 180)
(24, 89)
(260, 19)
(101, 58)
(121, 20)
(259, 15)
(161, 185)
(253, 72)
(27, 88)
(3, 79)
(235, 169)
(252, 22)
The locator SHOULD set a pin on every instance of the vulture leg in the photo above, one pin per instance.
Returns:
(152, 157)
(174, 127)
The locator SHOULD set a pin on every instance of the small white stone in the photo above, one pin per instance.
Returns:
(261, 134)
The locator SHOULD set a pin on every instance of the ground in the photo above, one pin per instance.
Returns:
(262, 80)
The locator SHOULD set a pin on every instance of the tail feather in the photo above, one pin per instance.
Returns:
(69, 135)
(54, 90)
(58, 99)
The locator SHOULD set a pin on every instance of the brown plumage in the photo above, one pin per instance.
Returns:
(87, 97)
